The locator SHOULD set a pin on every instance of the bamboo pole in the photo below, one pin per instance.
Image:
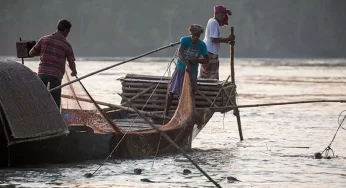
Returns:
(229, 97)
(265, 104)
(219, 91)
(128, 109)
(236, 110)
(117, 64)
(275, 104)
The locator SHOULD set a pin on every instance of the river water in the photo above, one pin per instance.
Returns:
(279, 141)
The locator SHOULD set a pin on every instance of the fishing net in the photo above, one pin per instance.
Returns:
(134, 137)
(78, 108)
(142, 143)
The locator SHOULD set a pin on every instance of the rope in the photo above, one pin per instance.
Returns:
(328, 148)
(132, 123)
(168, 68)
(157, 150)
(164, 134)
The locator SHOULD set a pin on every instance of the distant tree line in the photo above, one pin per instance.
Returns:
(263, 28)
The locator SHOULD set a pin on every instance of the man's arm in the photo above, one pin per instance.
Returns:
(204, 60)
(214, 33)
(221, 40)
(72, 66)
(36, 50)
(181, 54)
(204, 52)
(71, 62)
(182, 58)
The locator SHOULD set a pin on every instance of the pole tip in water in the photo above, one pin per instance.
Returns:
(88, 175)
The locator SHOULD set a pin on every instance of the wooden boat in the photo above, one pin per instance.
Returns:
(39, 133)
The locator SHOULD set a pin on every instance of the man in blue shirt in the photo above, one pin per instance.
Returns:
(189, 53)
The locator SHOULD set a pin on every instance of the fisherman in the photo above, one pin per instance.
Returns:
(54, 50)
(212, 39)
(189, 56)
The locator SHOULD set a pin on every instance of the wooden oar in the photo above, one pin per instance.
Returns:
(128, 109)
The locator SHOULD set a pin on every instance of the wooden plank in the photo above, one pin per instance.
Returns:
(130, 89)
(164, 86)
(163, 96)
(151, 77)
(141, 76)
(219, 91)
(162, 102)
(167, 81)
(205, 97)
(139, 94)
(161, 107)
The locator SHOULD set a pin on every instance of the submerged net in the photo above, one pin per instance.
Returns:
(136, 139)
(77, 107)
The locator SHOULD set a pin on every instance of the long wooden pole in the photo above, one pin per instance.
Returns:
(117, 64)
(236, 110)
(20, 39)
(274, 104)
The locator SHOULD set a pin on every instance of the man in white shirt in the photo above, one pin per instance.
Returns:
(212, 39)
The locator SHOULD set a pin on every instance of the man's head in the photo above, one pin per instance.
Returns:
(220, 14)
(64, 27)
(195, 32)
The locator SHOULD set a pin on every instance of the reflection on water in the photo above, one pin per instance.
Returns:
(279, 144)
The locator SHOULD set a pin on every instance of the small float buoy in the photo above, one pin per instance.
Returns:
(318, 155)
(186, 172)
(231, 179)
(147, 180)
(137, 171)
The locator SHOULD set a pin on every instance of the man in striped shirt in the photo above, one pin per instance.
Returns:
(54, 50)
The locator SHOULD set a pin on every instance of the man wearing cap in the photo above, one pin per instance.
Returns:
(54, 50)
(212, 39)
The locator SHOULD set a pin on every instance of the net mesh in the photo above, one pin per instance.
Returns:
(77, 107)
(135, 138)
